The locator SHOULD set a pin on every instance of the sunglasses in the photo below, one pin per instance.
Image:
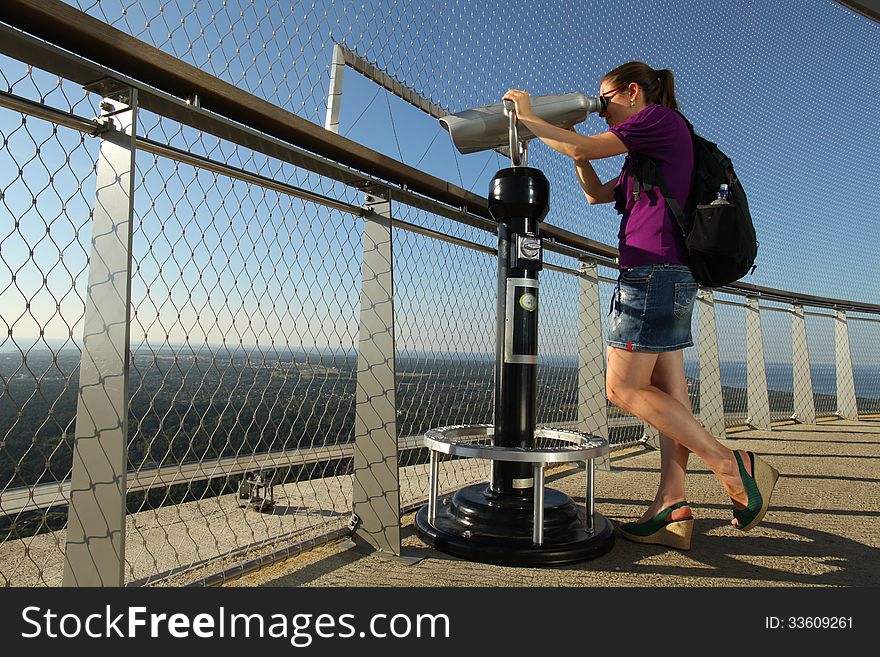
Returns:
(608, 95)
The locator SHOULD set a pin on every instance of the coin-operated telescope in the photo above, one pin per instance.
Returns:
(514, 519)
(494, 126)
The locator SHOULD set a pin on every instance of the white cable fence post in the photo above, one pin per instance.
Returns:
(376, 486)
(711, 395)
(334, 94)
(94, 554)
(592, 404)
(758, 398)
(804, 402)
(847, 407)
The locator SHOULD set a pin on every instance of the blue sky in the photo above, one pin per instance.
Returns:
(789, 90)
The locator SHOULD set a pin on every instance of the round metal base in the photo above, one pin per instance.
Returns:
(480, 525)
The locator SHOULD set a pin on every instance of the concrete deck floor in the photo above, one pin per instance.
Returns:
(822, 529)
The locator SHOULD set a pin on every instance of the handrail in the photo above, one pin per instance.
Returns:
(772, 294)
(862, 8)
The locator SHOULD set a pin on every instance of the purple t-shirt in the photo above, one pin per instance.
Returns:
(649, 233)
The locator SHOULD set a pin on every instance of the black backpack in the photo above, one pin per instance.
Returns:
(720, 239)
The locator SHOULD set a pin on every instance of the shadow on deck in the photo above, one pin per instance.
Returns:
(823, 527)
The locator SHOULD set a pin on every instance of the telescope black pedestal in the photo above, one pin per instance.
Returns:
(494, 523)
(478, 525)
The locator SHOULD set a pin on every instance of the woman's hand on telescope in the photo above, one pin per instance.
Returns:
(522, 102)
(569, 142)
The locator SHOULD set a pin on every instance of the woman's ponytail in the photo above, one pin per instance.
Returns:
(667, 89)
(659, 86)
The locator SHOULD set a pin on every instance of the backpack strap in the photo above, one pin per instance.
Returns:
(647, 165)
(672, 203)
(645, 172)
(642, 170)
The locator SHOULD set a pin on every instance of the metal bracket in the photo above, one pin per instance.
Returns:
(112, 89)
(375, 194)
(103, 124)
(584, 265)
(360, 546)
(109, 111)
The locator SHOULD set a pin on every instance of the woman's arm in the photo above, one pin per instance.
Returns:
(595, 190)
(580, 148)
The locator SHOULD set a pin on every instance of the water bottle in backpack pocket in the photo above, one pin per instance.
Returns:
(721, 242)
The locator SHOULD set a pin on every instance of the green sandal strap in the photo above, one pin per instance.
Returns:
(657, 522)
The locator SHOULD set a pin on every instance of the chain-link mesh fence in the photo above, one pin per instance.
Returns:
(731, 322)
(243, 332)
(244, 308)
(444, 314)
(47, 180)
(245, 300)
(776, 330)
(459, 55)
(820, 338)
(864, 335)
(557, 393)
(692, 362)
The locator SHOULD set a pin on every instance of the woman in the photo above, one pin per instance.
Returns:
(654, 297)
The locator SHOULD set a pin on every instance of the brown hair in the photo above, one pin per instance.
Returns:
(659, 86)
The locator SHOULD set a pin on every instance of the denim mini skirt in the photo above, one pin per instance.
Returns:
(651, 308)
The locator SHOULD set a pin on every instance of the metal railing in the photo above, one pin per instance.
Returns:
(186, 377)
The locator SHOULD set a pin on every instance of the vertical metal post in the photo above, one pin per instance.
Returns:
(94, 554)
(433, 486)
(711, 395)
(804, 402)
(376, 489)
(758, 398)
(592, 407)
(334, 95)
(538, 529)
(847, 407)
(591, 495)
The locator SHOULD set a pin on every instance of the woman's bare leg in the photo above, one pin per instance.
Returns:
(628, 385)
(668, 376)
